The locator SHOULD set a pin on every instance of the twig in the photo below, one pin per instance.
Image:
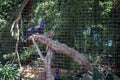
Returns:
(38, 50)
(16, 48)
(19, 62)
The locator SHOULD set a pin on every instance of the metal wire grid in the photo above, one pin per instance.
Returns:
(76, 22)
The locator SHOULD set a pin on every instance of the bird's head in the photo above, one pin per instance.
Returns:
(41, 23)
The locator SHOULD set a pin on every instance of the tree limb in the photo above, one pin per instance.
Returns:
(64, 49)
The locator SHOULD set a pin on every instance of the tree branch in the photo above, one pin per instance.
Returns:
(47, 60)
(18, 16)
(64, 49)
(38, 50)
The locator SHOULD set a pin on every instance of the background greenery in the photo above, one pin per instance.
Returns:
(89, 26)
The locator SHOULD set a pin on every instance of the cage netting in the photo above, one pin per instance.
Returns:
(92, 27)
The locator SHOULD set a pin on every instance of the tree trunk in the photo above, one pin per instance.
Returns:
(47, 64)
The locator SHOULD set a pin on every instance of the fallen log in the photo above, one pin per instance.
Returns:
(64, 49)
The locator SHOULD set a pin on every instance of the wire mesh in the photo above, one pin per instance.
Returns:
(90, 27)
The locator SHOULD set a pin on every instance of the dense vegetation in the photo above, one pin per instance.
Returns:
(89, 26)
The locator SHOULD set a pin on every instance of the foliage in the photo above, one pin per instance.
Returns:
(27, 52)
(68, 75)
(6, 11)
(90, 26)
(8, 72)
(45, 9)
(83, 25)
(6, 16)
(8, 56)
(2, 23)
(97, 74)
(103, 75)
(41, 9)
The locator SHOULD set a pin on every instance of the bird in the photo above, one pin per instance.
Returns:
(57, 75)
(36, 29)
